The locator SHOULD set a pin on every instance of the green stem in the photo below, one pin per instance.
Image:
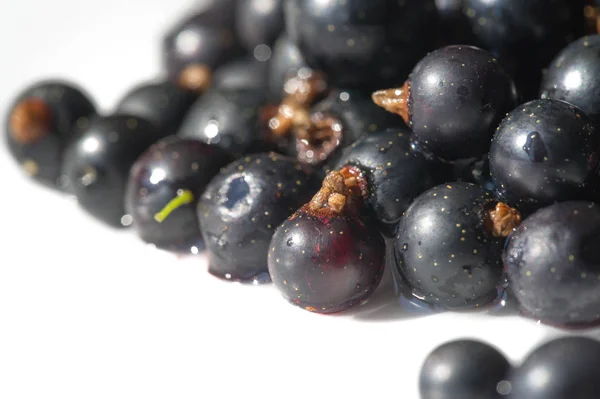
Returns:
(184, 197)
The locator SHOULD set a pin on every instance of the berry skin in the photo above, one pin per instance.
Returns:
(395, 173)
(361, 43)
(164, 186)
(573, 76)
(242, 74)
(259, 22)
(544, 151)
(463, 369)
(97, 163)
(285, 63)
(162, 103)
(553, 264)
(453, 101)
(449, 246)
(40, 122)
(195, 46)
(560, 369)
(241, 208)
(228, 119)
(326, 258)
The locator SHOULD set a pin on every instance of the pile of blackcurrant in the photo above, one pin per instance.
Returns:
(302, 141)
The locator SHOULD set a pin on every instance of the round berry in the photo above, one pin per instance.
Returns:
(241, 208)
(553, 264)
(449, 246)
(463, 369)
(326, 257)
(545, 151)
(164, 186)
(563, 368)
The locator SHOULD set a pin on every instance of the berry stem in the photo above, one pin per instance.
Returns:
(501, 220)
(183, 197)
(394, 100)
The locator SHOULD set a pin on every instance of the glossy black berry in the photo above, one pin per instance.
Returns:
(40, 122)
(544, 151)
(563, 368)
(164, 186)
(198, 44)
(395, 173)
(327, 257)
(553, 264)
(464, 369)
(259, 22)
(285, 62)
(362, 43)
(241, 208)
(449, 246)
(98, 160)
(453, 101)
(573, 76)
(228, 119)
(162, 103)
(243, 74)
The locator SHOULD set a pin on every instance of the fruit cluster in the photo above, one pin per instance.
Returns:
(293, 141)
(559, 369)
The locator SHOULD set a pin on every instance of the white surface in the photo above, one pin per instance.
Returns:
(87, 312)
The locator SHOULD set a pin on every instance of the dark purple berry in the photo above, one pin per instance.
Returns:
(162, 103)
(362, 43)
(98, 160)
(229, 119)
(449, 246)
(553, 264)
(241, 208)
(565, 368)
(165, 184)
(326, 257)
(573, 76)
(258, 24)
(395, 173)
(39, 124)
(464, 369)
(545, 151)
(198, 44)
(453, 101)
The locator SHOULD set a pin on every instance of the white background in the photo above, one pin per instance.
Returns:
(89, 312)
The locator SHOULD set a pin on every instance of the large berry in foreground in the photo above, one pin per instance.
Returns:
(326, 258)
(553, 263)
(449, 245)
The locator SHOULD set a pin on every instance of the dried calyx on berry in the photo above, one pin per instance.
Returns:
(315, 135)
(342, 193)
